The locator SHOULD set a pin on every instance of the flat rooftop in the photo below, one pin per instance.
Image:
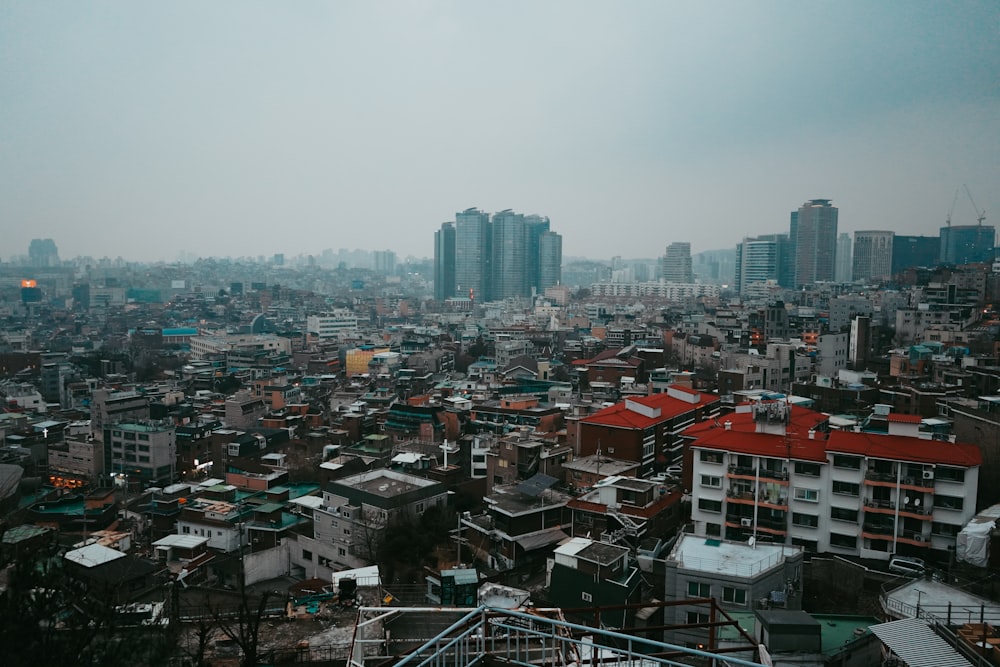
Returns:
(735, 559)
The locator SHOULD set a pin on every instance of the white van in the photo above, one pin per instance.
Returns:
(909, 566)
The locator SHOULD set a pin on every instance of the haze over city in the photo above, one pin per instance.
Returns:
(154, 129)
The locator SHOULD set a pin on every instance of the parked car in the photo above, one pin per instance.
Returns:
(909, 566)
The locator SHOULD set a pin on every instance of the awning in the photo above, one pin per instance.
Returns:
(917, 645)
(541, 539)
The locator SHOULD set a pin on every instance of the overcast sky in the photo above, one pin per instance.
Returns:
(144, 129)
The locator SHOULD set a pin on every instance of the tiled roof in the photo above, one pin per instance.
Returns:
(897, 418)
(792, 446)
(618, 415)
(802, 420)
(904, 448)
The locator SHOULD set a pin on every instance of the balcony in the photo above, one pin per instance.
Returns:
(878, 530)
(763, 500)
(876, 476)
(765, 473)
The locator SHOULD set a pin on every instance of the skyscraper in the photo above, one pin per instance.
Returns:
(444, 262)
(910, 251)
(473, 254)
(872, 255)
(549, 261)
(676, 267)
(43, 252)
(967, 244)
(511, 267)
(814, 234)
(845, 266)
(757, 261)
(507, 256)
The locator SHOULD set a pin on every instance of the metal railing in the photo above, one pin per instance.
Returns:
(529, 639)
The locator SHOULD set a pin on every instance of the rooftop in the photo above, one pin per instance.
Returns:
(734, 559)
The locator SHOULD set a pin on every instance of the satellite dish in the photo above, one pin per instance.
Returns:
(752, 541)
(906, 499)
(917, 502)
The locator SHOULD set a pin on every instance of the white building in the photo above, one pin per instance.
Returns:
(773, 472)
(335, 324)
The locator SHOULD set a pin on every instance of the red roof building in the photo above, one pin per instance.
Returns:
(775, 472)
(646, 429)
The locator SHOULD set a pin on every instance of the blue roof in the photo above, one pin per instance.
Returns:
(185, 331)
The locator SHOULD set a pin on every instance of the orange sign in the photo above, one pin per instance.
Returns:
(29, 283)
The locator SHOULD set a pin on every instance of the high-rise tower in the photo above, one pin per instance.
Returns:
(444, 262)
(473, 254)
(511, 267)
(872, 255)
(814, 235)
(676, 267)
(549, 260)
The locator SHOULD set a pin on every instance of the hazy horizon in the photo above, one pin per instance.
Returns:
(146, 130)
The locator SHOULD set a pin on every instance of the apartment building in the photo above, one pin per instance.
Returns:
(741, 577)
(141, 454)
(647, 429)
(357, 510)
(775, 473)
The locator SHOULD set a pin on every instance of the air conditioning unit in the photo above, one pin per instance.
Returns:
(746, 522)
(928, 474)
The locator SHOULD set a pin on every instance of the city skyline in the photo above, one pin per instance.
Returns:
(287, 128)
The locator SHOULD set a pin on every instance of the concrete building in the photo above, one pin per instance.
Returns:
(357, 510)
(676, 265)
(740, 576)
(645, 430)
(336, 324)
(872, 256)
(141, 454)
(108, 406)
(773, 471)
(967, 244)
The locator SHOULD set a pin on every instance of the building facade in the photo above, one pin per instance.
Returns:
(872, 255)
(676, 265)
(814, 235)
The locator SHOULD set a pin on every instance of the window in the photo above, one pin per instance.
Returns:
(711, 481)
(843, 514)
(694, 617)
(502, 463)
(345, 513)
(846, 541)
(707, 505)
(711, 457)
(939, 528)
(808, 495)
(186, 530)
(734, 595)
(808, 520)
(803, 468)
(713, 530)
(948, 502)
(844, 461)
(949, 474)
(846, 488)
(420, 508)
(586, 597)
(698, 589)
(341, 552)
(307, 555)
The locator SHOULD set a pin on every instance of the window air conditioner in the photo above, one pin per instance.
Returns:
(746, 522)
(928, 474)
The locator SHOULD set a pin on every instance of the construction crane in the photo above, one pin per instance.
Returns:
(980, 215)
(947, 220)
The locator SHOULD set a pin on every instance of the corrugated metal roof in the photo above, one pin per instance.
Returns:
(917, 645)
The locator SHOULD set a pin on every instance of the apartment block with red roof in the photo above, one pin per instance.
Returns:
(777, 473)
(646, 429)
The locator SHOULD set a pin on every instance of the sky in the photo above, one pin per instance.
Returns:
(149, 129)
